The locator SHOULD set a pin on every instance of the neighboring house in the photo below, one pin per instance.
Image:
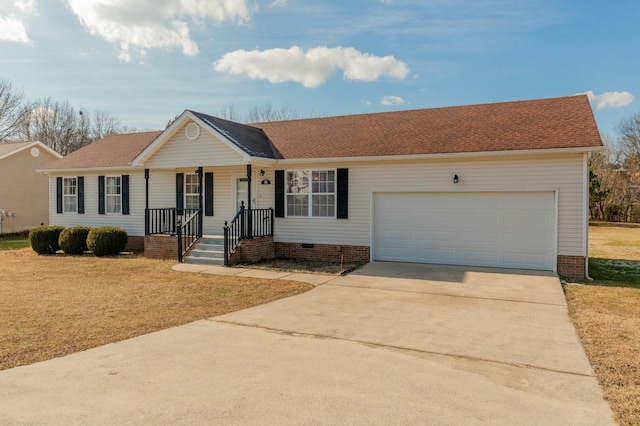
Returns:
(24, 193)
(503, 184)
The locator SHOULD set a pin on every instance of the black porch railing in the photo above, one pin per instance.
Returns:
(165, 221)
(189, 233)
(247, 224)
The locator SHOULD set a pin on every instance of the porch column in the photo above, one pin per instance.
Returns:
(201, 214)
(146, 202)
(249, 208)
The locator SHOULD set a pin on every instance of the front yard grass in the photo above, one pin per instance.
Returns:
(13, 243)
(606, 314)
(52, 306)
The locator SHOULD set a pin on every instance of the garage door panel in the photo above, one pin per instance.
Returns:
(509, 229)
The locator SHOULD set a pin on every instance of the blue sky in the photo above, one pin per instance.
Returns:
(146, 61)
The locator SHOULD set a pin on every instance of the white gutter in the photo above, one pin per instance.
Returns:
(439, 156)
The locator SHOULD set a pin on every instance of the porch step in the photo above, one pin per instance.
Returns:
(208, 251)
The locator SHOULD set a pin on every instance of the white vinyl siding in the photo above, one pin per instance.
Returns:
(133, 223)
(564, 173)
(180, 152)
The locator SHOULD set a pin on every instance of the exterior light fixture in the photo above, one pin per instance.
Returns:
(456, 179)
(261, 172)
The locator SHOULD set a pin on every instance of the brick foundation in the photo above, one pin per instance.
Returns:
(161, 247)
(323, 252)
(135, 244)
(571, 266)
(254, 250)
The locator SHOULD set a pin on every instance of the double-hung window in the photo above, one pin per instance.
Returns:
(311, 193)
(191, 192)
(70, 195)
(113, 194)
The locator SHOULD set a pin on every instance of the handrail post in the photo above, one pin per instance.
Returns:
(179, 225)
(146, 221)
(272, 221)
(226, 243)
(242, 220)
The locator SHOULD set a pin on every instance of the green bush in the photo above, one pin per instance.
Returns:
(44, 240)
(74, 240)
(106, 240)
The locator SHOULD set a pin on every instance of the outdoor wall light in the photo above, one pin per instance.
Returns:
(261, 172)
(456, 178)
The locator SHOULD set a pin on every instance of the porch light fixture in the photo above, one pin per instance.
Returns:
(456, 178)
(261, 172)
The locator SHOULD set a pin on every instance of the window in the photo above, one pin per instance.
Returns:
(317, 200)
(191, 192)
(70, 195)
(113, 194)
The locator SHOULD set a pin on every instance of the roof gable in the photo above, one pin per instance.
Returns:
(12, 148)
(555, 123)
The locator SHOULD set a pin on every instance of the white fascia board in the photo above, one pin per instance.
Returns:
(441, 156)
(46, 148)
(170, 131)
(30, 145)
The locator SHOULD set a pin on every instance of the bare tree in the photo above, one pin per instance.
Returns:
(629, 129)
(57, 125)
(13, 111)
(229, 112)
(268, 112)
(104, 124)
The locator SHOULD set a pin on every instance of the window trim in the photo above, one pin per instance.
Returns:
(189, 194)
(66, 196)
(310, 193)
(107, 195)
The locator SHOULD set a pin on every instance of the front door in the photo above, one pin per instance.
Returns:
(242, 192)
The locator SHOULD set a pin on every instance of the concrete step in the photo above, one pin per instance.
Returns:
(214, 254)
(204, 260)
(210, 247)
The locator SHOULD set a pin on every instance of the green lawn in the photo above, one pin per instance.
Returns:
(13, 243)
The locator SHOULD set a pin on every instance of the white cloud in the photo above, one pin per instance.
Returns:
(13, 29)
(392, 100)
(609, 99)
(311, 68)
(138, 25)
(277, 3)
(27, 6)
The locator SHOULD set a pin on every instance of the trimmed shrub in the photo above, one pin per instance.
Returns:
(74, 240)
(107, 240)
(44, 240)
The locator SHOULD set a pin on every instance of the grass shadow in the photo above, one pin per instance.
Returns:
(614, 273)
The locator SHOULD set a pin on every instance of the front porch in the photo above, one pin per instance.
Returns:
(173, 232)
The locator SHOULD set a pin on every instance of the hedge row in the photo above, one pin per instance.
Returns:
(101, 241)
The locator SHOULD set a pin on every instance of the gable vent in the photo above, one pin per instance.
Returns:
(192, 131)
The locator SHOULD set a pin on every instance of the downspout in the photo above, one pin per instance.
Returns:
(586, 217)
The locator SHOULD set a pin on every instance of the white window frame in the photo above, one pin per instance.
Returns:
(310, 192)
(188, 195)
(70, 196)
(108, 195)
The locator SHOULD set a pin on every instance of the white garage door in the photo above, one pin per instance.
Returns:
(502, 229)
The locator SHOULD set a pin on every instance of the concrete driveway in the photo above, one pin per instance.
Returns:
(388, 344)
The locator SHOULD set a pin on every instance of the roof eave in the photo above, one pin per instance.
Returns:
(29, 145)
(89, 169)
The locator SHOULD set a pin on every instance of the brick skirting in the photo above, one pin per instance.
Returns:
(135, 244)
(323, 252)
(254, 250)
(571, 266)
(161, 247)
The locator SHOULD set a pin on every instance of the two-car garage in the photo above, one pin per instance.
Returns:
(497, 229)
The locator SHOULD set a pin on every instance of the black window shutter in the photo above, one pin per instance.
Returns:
(101, 199)
(58, 195)
(125, 194)
(208, 194)
(180, 193)
(342, 202)
(279, 187)
(80, 194)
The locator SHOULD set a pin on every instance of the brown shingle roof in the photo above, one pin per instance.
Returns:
(522, 125)
(110, 151)
(8, 147)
